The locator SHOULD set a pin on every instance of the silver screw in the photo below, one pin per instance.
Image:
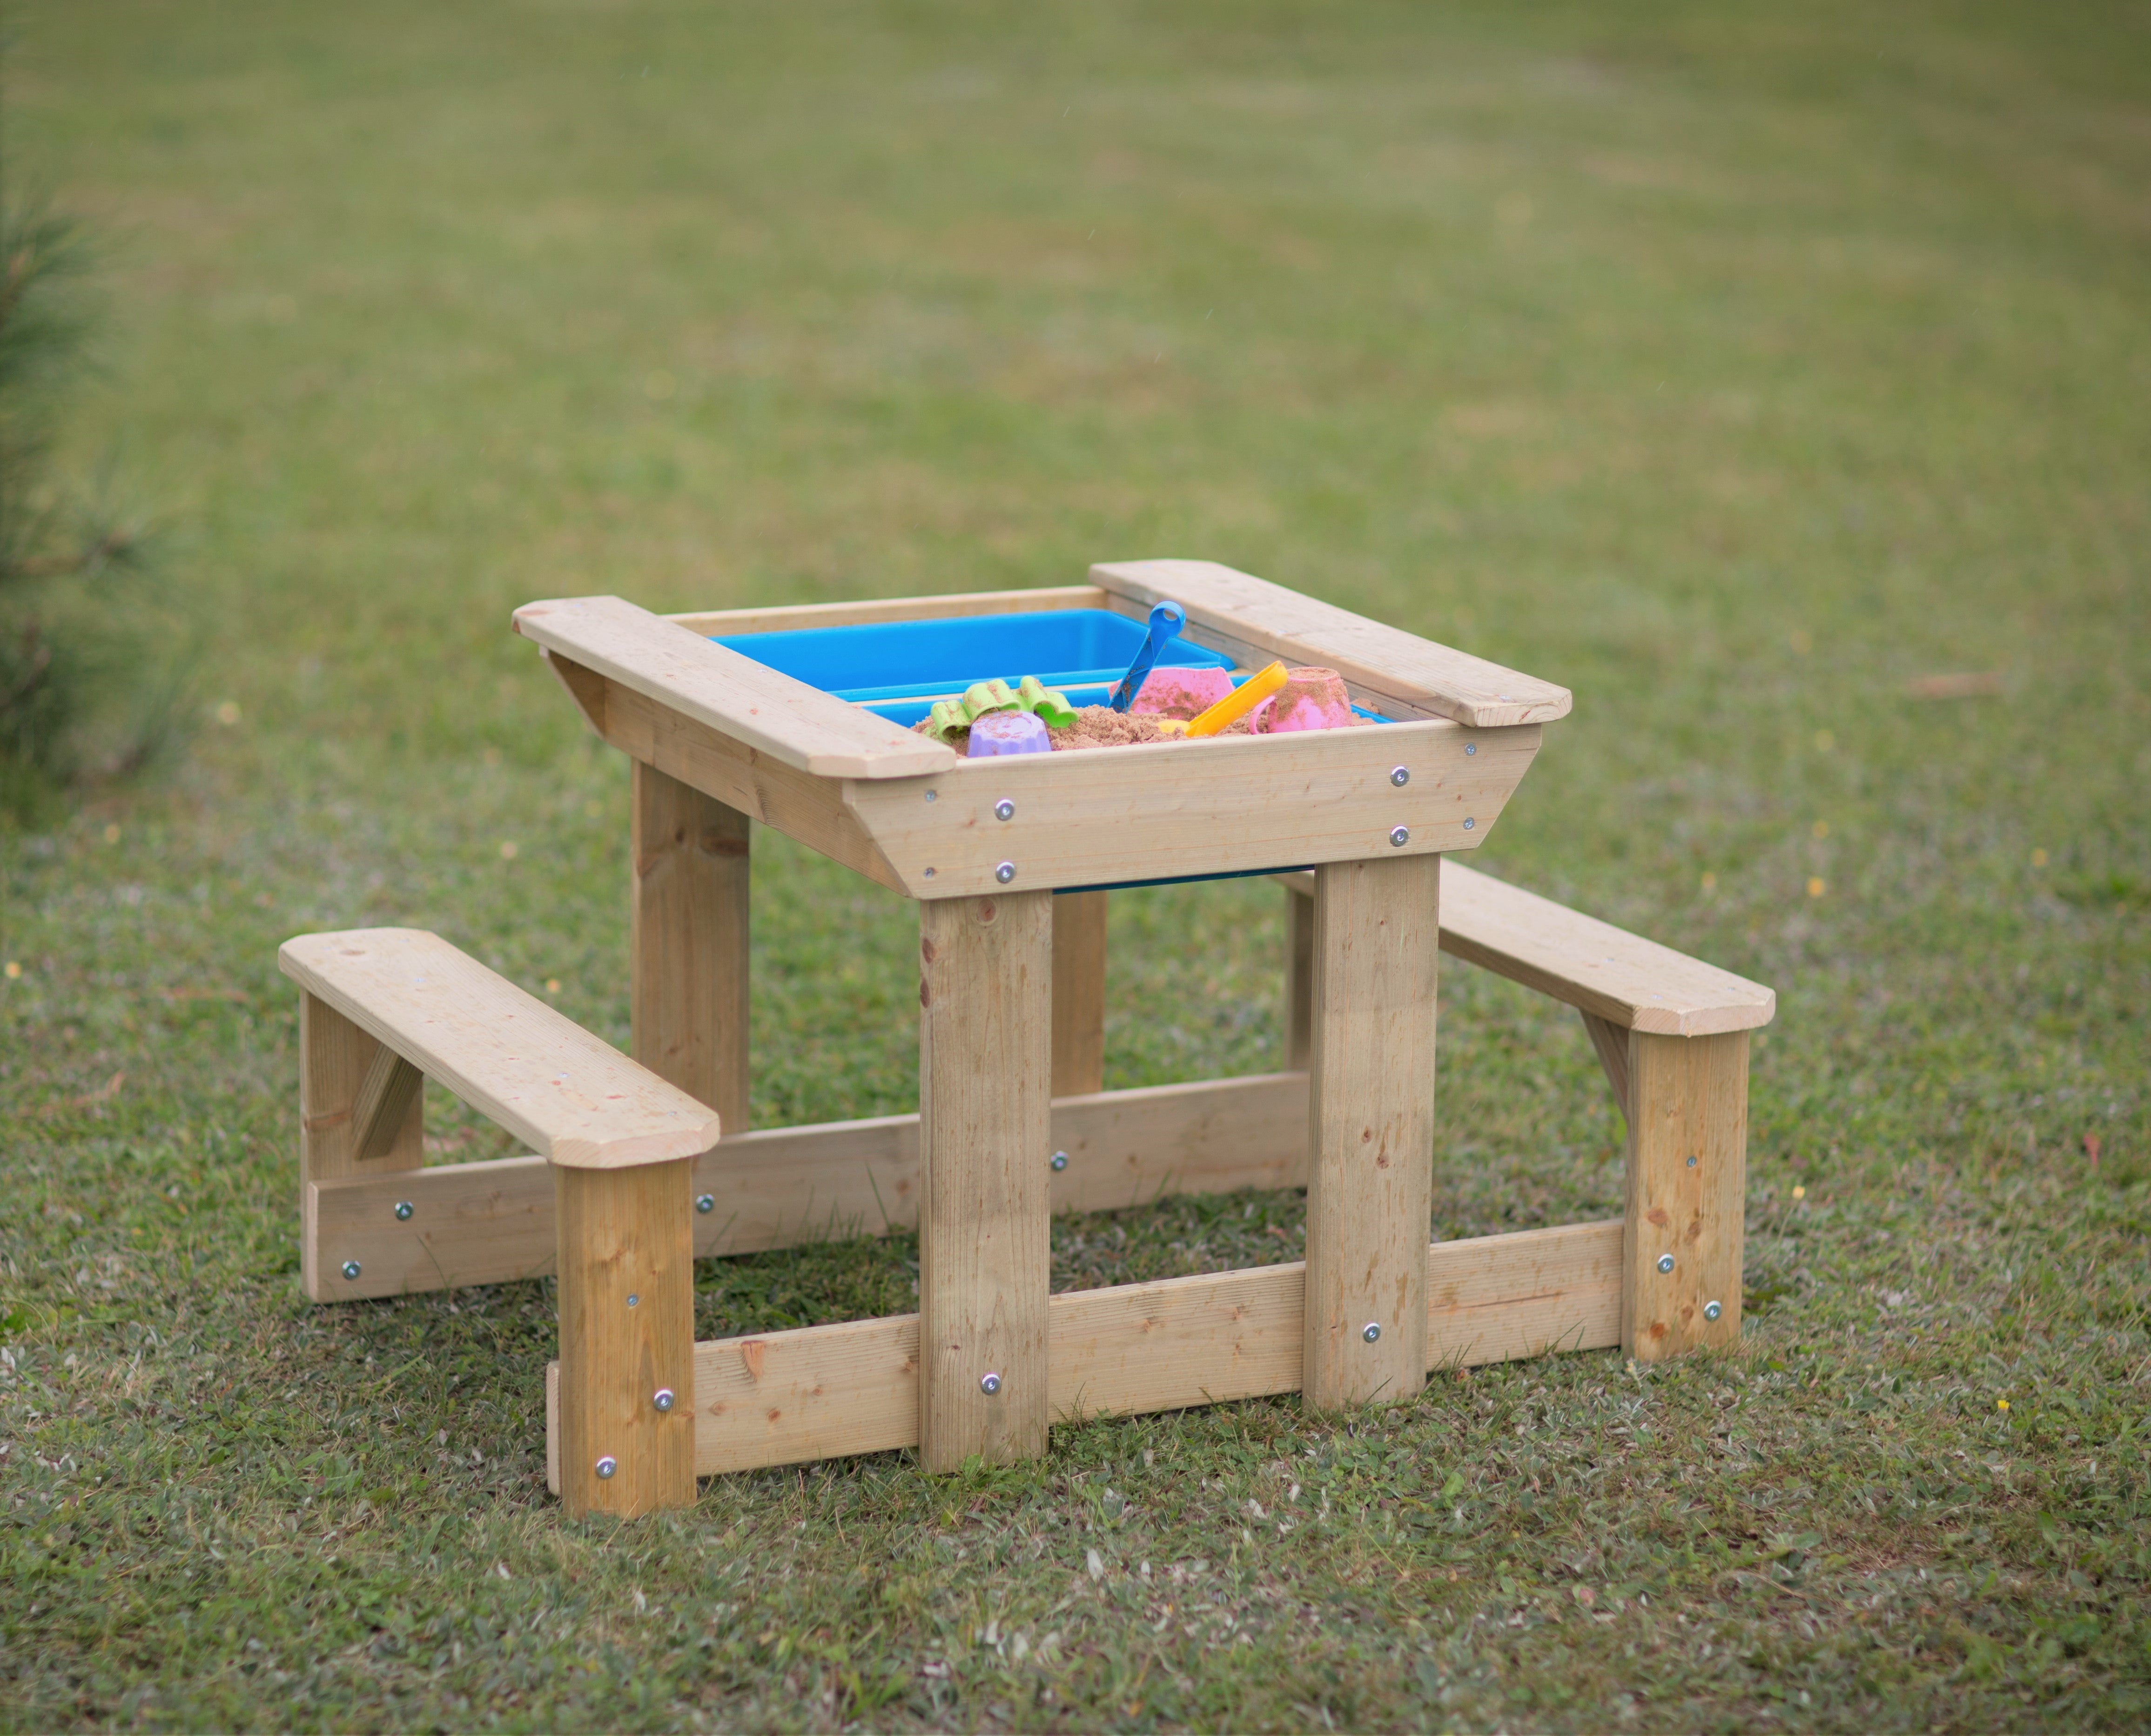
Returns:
(1469, 824)
(1004, 809)
(662, 1398)
(1005, 872)
(606, 1467)
(1060, 1159)
(929, 796)
(1711, 1310)
(1691, 1163)
(403, 1211)
(1399, 836)
(1400, 776)
(1469, 748)
(989, 1383)
(351, 1268)
(705, 1202)
(1372, 1331)
(1665, 1262)
(632, 1298)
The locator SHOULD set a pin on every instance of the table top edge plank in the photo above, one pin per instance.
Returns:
(794, 724)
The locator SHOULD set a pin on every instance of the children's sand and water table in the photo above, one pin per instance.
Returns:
(1007, 759)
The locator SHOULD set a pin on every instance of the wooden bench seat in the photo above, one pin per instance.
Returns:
(571, 1097)
(1618, 981)
(385, 1009)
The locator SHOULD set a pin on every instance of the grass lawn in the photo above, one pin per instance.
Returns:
(1736, 366)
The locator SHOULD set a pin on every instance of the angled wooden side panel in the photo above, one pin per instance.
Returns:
(336, 1061)
(1370, 1186)
(625, 1413)
(985, 1121)
(1687, 1174)
(688, 941)
(799, 804)
(1079, 993)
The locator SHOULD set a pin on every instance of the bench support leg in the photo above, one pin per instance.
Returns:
(986, 1001)
(688, 942)
(351, 1091)
(1370, 1186)
(1688, 1167)
(1079, 993)
(627, 1334)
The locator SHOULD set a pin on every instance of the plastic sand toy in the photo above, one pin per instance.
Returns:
(1243, 700)
(1182, 693)
(1310, 699)
(999, 732)
(1165, 623)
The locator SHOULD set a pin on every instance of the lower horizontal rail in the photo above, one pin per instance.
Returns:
(490, 1223)
(824, 1392)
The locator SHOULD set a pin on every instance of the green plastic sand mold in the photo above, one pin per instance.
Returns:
(952, 717)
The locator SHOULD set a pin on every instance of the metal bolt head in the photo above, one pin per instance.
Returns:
(1469, 824)
(606, 1467)
(989, 1383)
(1665, 1262)
(1004, 809)
(351, 1268)
(662, 1398)
(930, 796)
(632, 1298)
(1058, 1159)
(1371, 1332)
(1400, 836)
(403, 1209)
(1400, 776)
(705, 1202)
(1691, 1163)
(1711, 1310)
(1005, 872)
(1469, 748)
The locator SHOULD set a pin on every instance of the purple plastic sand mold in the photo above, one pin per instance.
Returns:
(1008, 732)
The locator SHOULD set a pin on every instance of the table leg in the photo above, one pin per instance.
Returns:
(626, 1258)
(1687, 1178)
(1078, 993)
(985, 1058)
(688, 942)
(1370, 1185)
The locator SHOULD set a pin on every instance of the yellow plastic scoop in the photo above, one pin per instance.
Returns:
(1241, 701)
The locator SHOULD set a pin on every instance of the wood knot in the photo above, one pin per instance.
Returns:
(751, 1358)
(925, 995)
(926, 950)
(1657, 1215)
(987, 911)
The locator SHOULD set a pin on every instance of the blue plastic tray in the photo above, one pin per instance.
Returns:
(895, 669)
(885, 662)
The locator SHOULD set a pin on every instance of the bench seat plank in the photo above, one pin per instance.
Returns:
(1631, 983)
(570, 1095)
